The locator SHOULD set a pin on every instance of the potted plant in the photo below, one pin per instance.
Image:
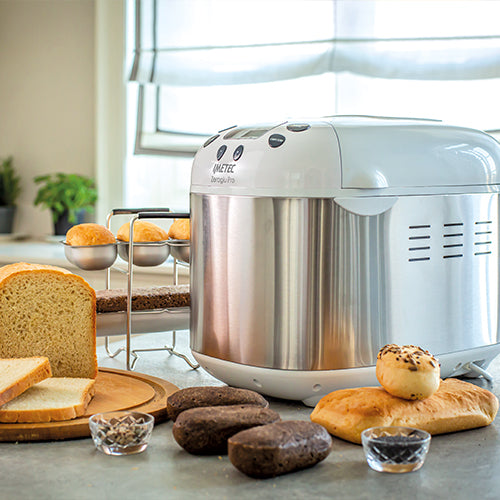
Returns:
(9, 191)
(68, 196)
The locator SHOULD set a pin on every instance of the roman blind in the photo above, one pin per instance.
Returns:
(198, 62)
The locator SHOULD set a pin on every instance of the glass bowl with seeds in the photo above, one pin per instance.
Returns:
(121, 432)
(395, 449)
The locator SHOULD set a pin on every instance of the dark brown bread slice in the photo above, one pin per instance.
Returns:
(205, 431)
(279, 448)
(195, 397)
(159, 297)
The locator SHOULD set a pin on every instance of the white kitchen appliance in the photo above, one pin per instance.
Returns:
(316, 242)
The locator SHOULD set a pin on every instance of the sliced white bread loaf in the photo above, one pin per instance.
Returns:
(53, 399)
(17, 375)
(48, 311)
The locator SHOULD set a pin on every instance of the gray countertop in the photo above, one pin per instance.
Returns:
(459, 465)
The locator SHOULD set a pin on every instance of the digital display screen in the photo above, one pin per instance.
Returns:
(245, 133)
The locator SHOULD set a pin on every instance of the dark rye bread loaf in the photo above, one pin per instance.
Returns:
(160, 297)
(195, 397)
(205, 431)
(279, 448)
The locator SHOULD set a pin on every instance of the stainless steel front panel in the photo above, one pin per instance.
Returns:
(305, 284)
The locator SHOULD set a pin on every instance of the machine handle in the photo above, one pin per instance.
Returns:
(147, 213)
(163, 215)
(129, 211)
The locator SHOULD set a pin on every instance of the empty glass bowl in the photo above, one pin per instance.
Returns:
(121, 432)
(395, 449)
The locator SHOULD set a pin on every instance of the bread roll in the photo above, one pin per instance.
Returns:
(180, 230)
(198, 397)
(89, 234)
(279, 448)
(408, 372)
(205, 431)
(48, 311)
(455, 406)
(144, 232)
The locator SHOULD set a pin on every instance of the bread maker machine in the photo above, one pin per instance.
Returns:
(316, 242)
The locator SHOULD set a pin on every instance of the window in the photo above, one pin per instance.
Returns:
(203, 65)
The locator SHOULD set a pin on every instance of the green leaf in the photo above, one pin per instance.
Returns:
(62, 192)
(9, 183)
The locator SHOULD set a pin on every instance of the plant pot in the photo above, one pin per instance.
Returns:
(7, 219)
(62, 225)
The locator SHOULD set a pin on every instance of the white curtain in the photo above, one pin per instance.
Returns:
(187, 49)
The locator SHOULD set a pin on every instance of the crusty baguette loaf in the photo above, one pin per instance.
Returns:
(48, 311)
(53, 399)
(455, 406)
(158, 297)
(19, 374)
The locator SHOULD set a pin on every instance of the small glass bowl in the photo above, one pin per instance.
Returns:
(395, 449)
(121, 432)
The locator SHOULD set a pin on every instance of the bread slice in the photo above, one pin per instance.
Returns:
(146, 298)
(53, 399)
(17, 375)
(48, 311)
(455, 406)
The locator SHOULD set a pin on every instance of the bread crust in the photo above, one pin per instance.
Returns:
(50, 414)
(37, 374)
(144, 232)
(10, 271)
(180, 230)
(455, 406)
(89, 234)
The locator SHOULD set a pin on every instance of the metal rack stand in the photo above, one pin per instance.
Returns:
(142, 213)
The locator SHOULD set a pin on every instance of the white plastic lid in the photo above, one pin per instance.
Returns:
(380, 153)
(323, 157)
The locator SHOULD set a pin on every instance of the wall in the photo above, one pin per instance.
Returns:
(47, 95)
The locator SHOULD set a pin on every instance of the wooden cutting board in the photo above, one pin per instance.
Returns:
(115, 390)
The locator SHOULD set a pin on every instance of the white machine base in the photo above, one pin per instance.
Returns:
(310, 386)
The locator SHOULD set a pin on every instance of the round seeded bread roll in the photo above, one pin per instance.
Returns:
(89, 234)
(180, 230)
(408, 372)
(144, 232)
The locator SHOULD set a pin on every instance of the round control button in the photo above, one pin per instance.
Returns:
(221, 151)
(209, 141)
(298, 127)
(237, 153)
(276, 140)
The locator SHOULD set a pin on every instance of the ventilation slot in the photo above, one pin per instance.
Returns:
(419, 249)
(482, 237)
(453, 237)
